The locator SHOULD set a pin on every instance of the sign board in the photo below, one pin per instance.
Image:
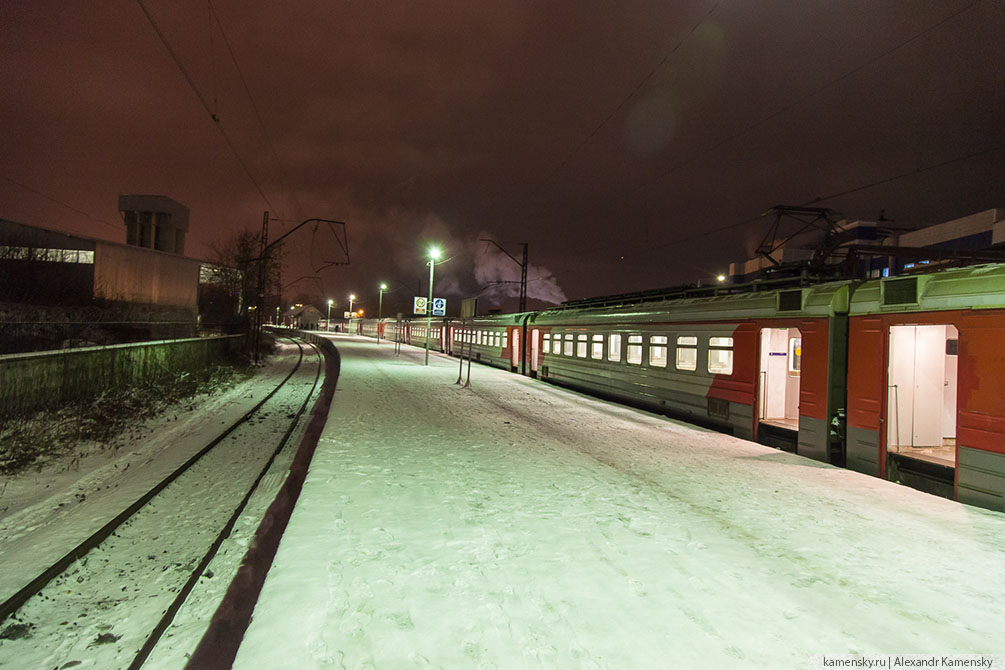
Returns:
(439, 306)
(469, 308)
(347, 315)
(419, 305)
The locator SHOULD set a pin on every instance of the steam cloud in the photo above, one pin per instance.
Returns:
(492, 266)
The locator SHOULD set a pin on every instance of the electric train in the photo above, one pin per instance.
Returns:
(900, 377)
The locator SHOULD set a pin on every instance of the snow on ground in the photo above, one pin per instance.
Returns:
(519, 525)
(41, 528)
(47, 513)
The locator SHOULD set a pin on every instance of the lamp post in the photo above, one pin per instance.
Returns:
(434, 253)
(328, 323)
(380, 308)
(351, 299)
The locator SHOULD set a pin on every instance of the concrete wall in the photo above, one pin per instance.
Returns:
(51, 378)
(132, 274)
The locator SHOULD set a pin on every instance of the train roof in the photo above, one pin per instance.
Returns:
(820, 300)
(974, 287)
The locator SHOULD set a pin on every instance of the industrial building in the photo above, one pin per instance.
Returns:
(60, 289)
(979, 232)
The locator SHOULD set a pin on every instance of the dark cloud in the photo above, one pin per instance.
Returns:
(608, 138)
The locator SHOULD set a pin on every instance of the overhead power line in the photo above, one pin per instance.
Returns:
(202, 99)
(856, 189)
(284, 178)
(625, 100)
(909, 173)
(59, 202)
(799, 101)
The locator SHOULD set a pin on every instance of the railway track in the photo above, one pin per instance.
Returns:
(108, 601)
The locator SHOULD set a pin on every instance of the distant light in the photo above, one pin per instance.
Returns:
(721, 278)
(359, 313)
(434, 252)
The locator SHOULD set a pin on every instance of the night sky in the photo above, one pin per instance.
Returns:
(631, 144)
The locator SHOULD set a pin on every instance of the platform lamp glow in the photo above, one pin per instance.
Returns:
(434, 253)
(351, 298)
(380, 308)
(328, 323)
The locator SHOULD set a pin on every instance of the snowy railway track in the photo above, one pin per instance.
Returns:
(108, 601)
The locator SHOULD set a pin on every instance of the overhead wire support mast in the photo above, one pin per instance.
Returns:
(523, 270)
(263, 259)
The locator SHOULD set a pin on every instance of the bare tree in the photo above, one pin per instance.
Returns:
(237, 266)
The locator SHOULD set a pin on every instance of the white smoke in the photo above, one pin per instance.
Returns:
(499, 276)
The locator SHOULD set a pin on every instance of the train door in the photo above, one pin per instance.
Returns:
(514, 347)
(535, 349)
(780, 368)
(921, 393)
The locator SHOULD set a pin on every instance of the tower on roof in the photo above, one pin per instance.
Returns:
(154, 222)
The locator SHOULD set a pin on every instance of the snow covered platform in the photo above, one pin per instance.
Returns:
(519, 525)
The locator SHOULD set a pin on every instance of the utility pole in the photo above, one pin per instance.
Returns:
(263, 259)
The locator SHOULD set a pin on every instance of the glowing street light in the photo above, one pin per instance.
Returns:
(721, 278)
(328, 323)
(380, 308)
(351, 298)
(434, 253)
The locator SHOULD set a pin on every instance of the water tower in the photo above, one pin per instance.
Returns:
(154, 222)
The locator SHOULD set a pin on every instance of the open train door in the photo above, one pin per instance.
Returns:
(514, 348)
(535, 350)
(779, 377)
(921, 406)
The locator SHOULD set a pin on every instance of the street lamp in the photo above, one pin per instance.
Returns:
(434, 253)
(328, 323)
(351, 298)
(380, 308)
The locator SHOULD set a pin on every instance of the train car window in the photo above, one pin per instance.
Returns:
(658, 351)
(505, 340)
(567, 348)
(687, 352)
(547, 343)
(498, 340)
(720, 355)
(581, 346)
(634, 350)
(598, 347)
(614, 348)
(795, 355)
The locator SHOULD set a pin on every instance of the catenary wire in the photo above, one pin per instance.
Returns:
(58, 202)
(205, 104)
